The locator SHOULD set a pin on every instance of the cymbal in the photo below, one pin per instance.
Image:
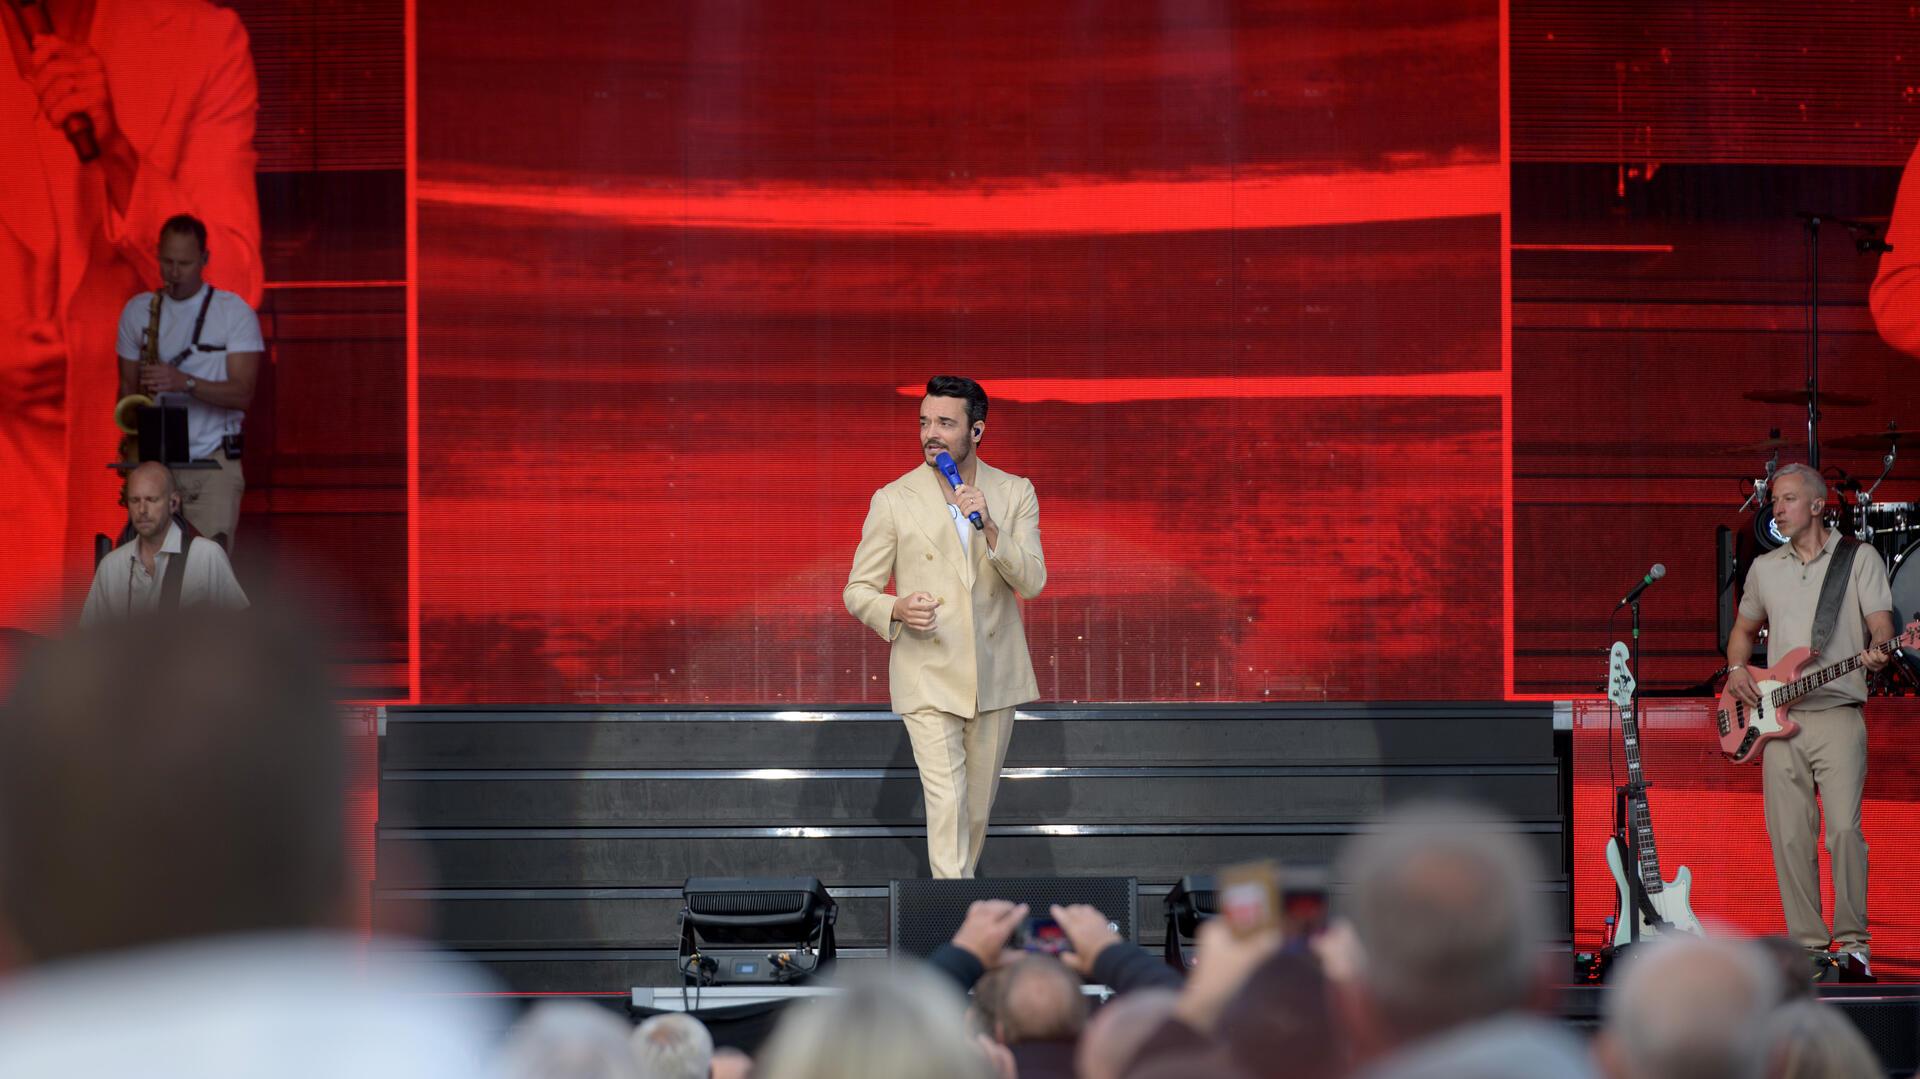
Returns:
(1878, 442)
(1830, 398)
(1765, 445)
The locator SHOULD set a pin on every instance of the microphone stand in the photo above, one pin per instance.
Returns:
(1867, 240)
(1813, 340)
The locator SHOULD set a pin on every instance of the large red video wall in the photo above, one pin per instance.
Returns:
(1238, 276)
(1356, 351)
(282, 125)
(1230, 273)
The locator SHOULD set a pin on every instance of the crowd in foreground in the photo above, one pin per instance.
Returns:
(175, 901)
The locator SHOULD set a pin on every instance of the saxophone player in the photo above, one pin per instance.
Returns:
(202, 350)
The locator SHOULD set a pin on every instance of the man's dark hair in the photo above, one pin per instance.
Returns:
(964, 388)
(186, 224)
(171, 778)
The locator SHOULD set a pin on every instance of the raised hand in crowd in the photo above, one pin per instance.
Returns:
(1089, 931)
(1223, 963)
(988, 929)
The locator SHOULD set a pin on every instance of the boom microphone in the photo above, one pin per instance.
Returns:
(35, 22)
(1658, 571)
(944, 462)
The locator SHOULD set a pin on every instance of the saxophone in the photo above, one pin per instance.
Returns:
(126, 414)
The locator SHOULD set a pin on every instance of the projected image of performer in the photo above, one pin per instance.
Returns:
(960, 539)
(164, 567)
(1895, 299)
(1827, 759)
(114, 116)
(191, 344)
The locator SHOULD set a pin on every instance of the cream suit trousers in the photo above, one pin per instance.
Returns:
(959, 761)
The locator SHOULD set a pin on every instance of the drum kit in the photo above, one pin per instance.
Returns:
(1891, 529)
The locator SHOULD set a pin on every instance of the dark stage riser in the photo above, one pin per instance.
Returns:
(551, 844)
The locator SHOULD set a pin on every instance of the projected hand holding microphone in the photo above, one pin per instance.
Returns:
(67, 78)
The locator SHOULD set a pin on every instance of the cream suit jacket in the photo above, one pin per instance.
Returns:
(975, 658)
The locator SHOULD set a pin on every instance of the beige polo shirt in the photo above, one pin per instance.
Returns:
(1784, 592)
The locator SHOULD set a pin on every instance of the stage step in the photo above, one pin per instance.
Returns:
(551, 844)
(1045, 737)
(464, 798)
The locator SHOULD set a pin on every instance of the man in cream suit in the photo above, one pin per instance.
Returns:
(168, 86)
(959, 662)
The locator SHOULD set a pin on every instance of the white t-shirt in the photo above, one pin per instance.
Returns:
(231, 325)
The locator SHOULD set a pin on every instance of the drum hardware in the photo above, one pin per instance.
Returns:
(1759, 493)
(1863, 508)
(1880, 441)
(1863, 232)
(1886, 462)
(1772, 442)
(1830, 398)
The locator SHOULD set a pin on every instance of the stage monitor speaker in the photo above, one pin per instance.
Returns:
(1891, 1024)
(755, 930)
(923, 914)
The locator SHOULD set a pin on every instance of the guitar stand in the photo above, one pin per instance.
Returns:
(1630, 848)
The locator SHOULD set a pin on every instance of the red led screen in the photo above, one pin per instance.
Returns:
(1231, 274)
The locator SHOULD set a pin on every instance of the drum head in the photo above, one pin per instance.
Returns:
(1906, 596)
(1769, 536)
(1890, 526)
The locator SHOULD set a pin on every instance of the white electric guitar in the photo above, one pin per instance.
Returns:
(1670, 899)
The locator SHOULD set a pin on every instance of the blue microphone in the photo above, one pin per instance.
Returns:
(951, 471)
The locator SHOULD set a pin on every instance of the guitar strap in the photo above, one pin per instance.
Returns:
(1833, 589)
(177, 568)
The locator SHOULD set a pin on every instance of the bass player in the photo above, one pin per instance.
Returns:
(1785, 590)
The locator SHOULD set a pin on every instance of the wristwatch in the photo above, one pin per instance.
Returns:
(192, 383)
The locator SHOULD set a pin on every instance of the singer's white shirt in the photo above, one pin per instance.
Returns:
(962, 526)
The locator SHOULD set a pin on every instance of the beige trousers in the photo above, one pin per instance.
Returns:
(210, 497)
(959, 761)
(1827, 757)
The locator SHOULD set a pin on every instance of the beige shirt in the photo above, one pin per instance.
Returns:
(122, 586)
(1784, 592)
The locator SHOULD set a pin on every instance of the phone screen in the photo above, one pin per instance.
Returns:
(1044, 935)
(1303, 912)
